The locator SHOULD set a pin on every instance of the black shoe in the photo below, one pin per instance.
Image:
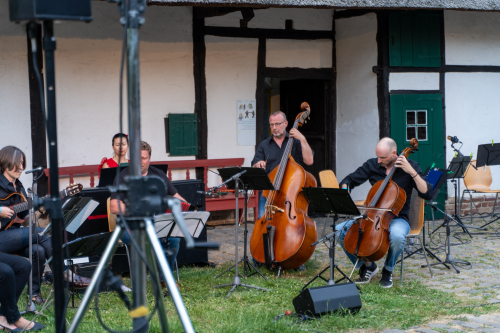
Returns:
(301, 268)
(386, 280)
(366, 273)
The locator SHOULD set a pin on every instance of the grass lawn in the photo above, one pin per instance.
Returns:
(254, 311)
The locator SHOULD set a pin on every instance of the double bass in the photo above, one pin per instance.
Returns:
(368, 239)
(290, 232)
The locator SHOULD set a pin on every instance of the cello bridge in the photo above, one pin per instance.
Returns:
(273, 209)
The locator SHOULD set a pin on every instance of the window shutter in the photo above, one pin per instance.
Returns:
(183, 134)
(414, 39)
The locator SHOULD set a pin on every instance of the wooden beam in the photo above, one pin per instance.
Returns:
(299, 73)
(200, 88)
(262, 123)
(267, 33)
(38, 138)
(331, 133)
(351, 13)
(384, 112)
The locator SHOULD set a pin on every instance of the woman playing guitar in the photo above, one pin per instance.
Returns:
(407, 175)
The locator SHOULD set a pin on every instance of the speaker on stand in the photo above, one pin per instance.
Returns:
(331, 298)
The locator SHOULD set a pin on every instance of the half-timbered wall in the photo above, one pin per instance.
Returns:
(14, 88)
(472, 99)
(357, 112)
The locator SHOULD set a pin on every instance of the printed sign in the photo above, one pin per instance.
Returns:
(245, 122)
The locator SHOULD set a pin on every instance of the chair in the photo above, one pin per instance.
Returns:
(328, 179)
(478, 181)
(112, 225)
(416, 216)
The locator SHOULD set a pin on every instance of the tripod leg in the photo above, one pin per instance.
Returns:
(176, 295)
(247, 261)
(424, 250)
(162, 312)
(106, 257)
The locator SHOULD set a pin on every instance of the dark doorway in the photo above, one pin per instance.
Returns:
(314, 92)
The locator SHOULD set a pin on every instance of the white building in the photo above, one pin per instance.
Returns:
(377, 68)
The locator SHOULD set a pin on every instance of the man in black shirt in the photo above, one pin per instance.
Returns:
(270, 151)
(407, 176)
(15, 240)
(117, 199)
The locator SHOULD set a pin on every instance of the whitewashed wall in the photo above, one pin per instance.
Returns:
(357, 110)
(231, 75)
(472, 99)
(472, 38)
(87, 74)
(14, 89)
(472, 104)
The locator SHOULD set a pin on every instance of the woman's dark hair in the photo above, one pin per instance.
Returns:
(119, 135)
(10, 158)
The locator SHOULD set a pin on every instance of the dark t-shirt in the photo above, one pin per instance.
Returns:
(372, 171)
(7, 188)
(271, 153)
(152, 171)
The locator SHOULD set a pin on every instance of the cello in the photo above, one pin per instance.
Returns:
(290, 232)
(368, 239)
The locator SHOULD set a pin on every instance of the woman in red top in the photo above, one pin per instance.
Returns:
(120, 146)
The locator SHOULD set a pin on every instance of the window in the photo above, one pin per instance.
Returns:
(182, 134)
(416, 125)
(414, 39)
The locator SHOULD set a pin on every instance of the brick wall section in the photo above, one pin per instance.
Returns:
(480, 204)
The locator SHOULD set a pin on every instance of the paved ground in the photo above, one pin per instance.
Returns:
(480, 280)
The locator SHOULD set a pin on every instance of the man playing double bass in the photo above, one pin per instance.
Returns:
(407, 176)
(270, 151)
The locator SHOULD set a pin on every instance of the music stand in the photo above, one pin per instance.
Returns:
(107, 177)
(252, 179)
(75, 211)
(456, 170)
(488, 154)
(166, 226)
(330, 201)
(87, 246)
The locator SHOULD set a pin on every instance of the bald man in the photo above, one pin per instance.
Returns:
(407, 176)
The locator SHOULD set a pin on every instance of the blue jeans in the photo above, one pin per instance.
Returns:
(172, 244)
(398, 229)
(262, 204)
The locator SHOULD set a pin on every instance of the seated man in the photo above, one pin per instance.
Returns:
(148, 170)
(407, 176)
(13, 239)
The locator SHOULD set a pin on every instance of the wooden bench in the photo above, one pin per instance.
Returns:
(225, 202)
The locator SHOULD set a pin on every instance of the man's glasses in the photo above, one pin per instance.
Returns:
(276, 124)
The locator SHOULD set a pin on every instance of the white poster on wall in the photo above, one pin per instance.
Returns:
(245, 122)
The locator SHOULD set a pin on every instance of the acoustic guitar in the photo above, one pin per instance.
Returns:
(70, 190)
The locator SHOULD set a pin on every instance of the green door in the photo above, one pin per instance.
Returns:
(420, 116)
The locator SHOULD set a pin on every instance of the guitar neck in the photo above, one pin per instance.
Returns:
(21, 207)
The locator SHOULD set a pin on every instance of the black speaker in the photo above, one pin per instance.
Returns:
(22, 10)
(320, 300)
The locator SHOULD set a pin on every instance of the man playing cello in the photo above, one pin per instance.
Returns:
(407, 176)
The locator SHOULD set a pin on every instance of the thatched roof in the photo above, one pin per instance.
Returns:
(489, 5)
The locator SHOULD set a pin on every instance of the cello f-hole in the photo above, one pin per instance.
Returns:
(290, 210)
(377, 223)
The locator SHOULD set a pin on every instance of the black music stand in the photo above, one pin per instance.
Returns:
(330, 201)
(488, 154)
(255, 179)
(87, 246)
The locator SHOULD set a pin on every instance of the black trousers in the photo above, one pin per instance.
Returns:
(14, 275)
(16, 241)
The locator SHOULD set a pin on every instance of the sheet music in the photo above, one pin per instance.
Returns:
(195, 222)
(82, 216)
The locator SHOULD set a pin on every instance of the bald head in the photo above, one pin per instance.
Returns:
(386, 152)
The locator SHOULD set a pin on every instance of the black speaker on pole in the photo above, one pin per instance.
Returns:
(320, 300)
